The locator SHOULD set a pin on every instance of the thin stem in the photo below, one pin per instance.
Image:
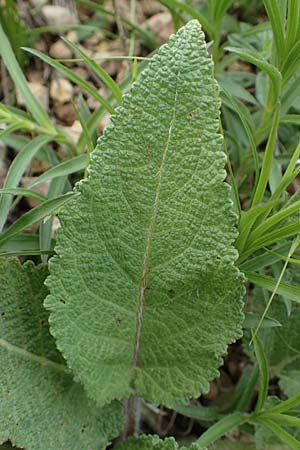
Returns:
(132, 414)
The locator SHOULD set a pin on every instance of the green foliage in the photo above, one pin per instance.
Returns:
(153, 443)
(14, 28)
(41, 406)
(144, 283)
(154, 219)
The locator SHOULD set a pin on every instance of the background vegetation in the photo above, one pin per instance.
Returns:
(64, 68)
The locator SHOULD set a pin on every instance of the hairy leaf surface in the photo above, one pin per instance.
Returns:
(145, 442)
(41, 406)
(145, 296)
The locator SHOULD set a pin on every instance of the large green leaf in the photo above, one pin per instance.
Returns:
(145, 295)
(149, 442)
(41, 406)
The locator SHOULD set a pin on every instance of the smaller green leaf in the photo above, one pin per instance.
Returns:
(247, 222)
(283, 435)
(290, 65)
(263, 373)
(267, 161)
(19, 79)
(277, 26)
(33, 216)
(24, 193)
(273, 237)
(264, 227)
(145, 34)
(201, 413)
(184, 7)
(41, 406)
(287, 405)
(222, 427)
(63, 169)
(72, 76)
(292, 292)
(98, 70)
(252, 320)
(283, 419)
(293, 21)
(266, 259)
(255, 59)
(16, 171)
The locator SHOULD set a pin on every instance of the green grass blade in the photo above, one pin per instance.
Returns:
(239, 109)
(19, 79)
(147, 36)
(290, 64)
(266, 259)
(221, 8)
(283, 435)
(287, 405)
(201, 413)
(65, 71)
(293, 23)
(284, 213)
(33, 216)
(263, 373)
(27, 253)
(248, 220)
(277, 26)
(274, 237)
(98, 70)
(258, 61)
(292, 292)
(24, 193)
(63, 169)
(9, 129)
(222, 427)
(184, 7)
(283, 419)
(16, 171)
(267, 161)
(290, 118)
(55, 189)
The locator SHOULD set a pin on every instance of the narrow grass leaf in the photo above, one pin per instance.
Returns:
(24, 193)
(267, 161)
(292, 292)
(184, 7)
(200, 413)
(277, 26)
(283, 435)
(98, 70)
(34, 215)
(287, 405)
(148, 37)
(290, 64)
(65, 168)
(263, 373)
(293, 23)
(16, 170)
(19, 79)
(283, 419)
(222, 427)
(72, 76)
(254, 58)
(273, 221)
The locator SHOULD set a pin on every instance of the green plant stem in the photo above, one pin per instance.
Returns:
(222, 427)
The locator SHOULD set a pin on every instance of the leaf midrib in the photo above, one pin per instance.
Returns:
(149, 237)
